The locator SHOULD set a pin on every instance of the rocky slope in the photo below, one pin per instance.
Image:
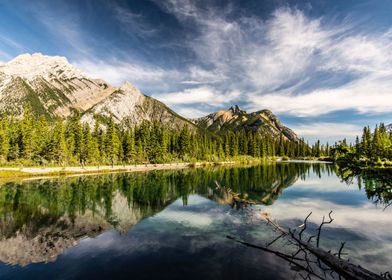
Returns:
(129, 107)
(236, 119)
(53, 87)
(49, 85)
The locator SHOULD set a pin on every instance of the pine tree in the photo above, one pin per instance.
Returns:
(184, 141)
(112, 143)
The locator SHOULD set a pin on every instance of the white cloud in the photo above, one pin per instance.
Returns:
(287, 54)
(198, 75)
(369, 94)
(327, 129)
(204, 94)
(191, 111)
(117, 72)
(275, 62)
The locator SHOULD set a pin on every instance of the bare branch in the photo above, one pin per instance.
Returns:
(320, 227)
(304, 225)
(341, 249)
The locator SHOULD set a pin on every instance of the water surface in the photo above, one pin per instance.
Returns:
(173, 224)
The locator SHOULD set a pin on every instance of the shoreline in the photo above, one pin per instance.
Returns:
(35, 173)
(31, 173)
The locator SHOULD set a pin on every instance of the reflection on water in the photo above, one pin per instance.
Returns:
(146, 222)
(377, 183)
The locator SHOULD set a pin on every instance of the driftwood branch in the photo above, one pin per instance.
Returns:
(342, 267)
(304, 225)
(290, 259)
(320, 227)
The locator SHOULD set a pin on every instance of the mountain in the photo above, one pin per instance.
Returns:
(51, 86)
(236, 119)
(128, 106)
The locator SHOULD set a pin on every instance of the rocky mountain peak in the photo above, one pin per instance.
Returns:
(31, 66)
(130, 88)
(236, 119)
(237, 110)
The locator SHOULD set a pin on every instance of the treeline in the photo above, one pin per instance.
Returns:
(370, 148)
(35, 141)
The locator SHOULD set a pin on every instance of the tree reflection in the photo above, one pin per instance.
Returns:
(376, 182)
(51, 215)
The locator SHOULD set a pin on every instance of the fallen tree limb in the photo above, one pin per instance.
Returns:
(342, 267)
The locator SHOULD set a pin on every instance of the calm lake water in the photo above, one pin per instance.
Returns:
(173, 224)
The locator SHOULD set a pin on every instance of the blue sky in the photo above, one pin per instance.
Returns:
(324, 67)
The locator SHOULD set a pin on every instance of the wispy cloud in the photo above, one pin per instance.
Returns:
(117, 72)
(327, 130)
(190, 111)
(204, 94)
(134, 24)
(64, 23)
(290, 63)
(369, 94)
(7, 43)
(10, 42)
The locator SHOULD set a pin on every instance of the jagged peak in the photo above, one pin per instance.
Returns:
(237, 110)
(130, 88)
(267, 112)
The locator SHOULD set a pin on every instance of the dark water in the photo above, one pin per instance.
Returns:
(173, 224)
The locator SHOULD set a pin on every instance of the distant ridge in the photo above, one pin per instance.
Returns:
(235, 119)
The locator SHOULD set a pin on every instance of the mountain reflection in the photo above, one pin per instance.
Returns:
(40, 219)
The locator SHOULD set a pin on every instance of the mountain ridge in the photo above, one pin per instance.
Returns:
(235, 118)
(53, 87)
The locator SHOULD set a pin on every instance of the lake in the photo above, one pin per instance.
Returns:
(174, 224)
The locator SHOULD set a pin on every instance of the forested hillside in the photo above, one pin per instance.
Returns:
(35, 141)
